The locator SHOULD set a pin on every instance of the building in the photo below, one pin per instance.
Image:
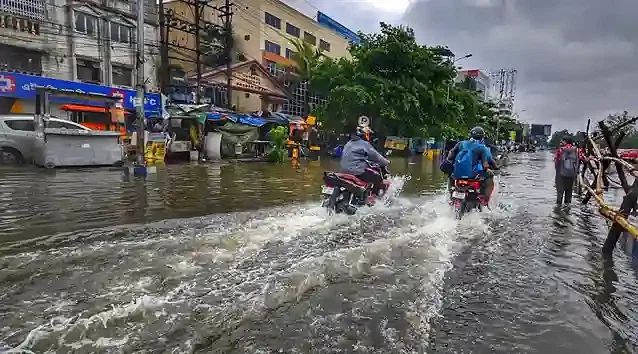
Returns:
(87, 41)
(479, 81)
(262, 30)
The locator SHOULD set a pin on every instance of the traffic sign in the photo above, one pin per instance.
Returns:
(364, 121)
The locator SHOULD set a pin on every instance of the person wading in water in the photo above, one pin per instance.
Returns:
(566, 163)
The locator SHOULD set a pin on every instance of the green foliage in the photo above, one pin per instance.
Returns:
(278, 137)
(306, 57)
(406, 88)
(212, 44)
(558, 136)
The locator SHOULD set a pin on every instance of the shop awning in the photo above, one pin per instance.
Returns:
(236, 118)
(82, 108)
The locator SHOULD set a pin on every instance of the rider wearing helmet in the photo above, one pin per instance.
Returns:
(356, 156)
(481, 160)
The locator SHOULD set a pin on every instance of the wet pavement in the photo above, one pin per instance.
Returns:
(241, 259)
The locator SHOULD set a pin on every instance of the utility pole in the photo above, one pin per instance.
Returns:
(163, 74)
(227, 19)
(198, 47)
(139, 83)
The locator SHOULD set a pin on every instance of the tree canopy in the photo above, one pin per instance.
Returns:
(612, 121)
(406, 88)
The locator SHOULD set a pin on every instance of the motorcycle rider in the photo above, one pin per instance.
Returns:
(474, 152)
(356, 158)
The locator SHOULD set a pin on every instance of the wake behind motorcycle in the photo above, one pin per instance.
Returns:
(466, 197)
(345, 193)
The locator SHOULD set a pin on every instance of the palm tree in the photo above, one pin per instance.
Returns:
(306, 57)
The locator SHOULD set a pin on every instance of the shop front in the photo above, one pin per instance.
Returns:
(18, 91)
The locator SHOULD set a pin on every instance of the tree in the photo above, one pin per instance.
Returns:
(400, 84)
(212, 45)
(306, 58)
(558, 136)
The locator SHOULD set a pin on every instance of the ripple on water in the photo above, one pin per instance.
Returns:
(240, 280)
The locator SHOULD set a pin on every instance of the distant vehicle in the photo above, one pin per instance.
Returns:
(17, 136)
(630, 154)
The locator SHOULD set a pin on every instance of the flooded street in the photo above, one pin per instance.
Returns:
(241, 259)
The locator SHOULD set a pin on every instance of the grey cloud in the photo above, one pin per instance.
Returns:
(576, 58)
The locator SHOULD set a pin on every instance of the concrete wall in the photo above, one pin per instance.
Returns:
(338, 44)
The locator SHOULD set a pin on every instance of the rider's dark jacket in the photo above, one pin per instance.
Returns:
(357, 153)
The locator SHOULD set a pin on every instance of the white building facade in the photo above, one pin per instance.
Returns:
(91, 41)
(480, 80)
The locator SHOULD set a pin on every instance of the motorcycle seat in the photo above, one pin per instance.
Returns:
(351, 178)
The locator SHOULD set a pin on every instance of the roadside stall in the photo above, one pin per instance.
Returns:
(59, 147)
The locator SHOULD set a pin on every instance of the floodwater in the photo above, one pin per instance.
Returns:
(239, 258)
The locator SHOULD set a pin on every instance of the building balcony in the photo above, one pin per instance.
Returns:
(21, 25)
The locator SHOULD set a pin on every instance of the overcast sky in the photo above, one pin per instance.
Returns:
(576, 59)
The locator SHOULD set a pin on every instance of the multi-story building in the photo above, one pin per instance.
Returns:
(479, 81)
(262, 31)
(88, 41)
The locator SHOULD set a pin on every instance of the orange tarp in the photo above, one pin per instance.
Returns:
(278, 59)
(81, 108)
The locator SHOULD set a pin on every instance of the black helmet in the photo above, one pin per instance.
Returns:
(477, 133)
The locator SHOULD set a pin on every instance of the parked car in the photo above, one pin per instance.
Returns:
(17, 136)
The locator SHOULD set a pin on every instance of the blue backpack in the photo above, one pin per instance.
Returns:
(466, 162)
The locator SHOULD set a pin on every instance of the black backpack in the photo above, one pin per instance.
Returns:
(568, 162)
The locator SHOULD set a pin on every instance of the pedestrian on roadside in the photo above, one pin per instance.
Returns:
(566, 163)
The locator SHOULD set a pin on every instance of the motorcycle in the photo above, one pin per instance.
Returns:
(345, 193)
(466, 197)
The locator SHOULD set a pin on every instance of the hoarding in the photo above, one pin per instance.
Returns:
(327, 21)
(541, 129)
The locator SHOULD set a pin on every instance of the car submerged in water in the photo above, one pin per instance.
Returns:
(17, 136)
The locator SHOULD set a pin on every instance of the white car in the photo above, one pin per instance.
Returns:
(17, 135)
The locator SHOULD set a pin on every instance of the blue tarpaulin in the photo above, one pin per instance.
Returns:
(236, 118)
(219, 116)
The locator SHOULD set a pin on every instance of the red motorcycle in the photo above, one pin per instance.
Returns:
(466, 197)
(345, 193)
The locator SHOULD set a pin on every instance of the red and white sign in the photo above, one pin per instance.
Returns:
(7, 83)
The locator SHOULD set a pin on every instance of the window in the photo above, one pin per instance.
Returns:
(86, 24)
(120, 33)
(293, 30)
(290, 54)
(323, 45)
(89, 71)
(20, 59)
(24, 125)
(62, 125)
(272, 47)
(309, 38)
(122, 76)
(273, 20)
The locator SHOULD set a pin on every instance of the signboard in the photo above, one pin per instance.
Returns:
(328, 22)
(396, 143)
(24, 86)
(541, 129)
(512, 135)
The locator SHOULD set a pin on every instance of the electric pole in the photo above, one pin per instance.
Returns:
(227, 19)
(139, 83)
(198, 47)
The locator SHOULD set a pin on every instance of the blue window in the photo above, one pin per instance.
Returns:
(272, 47)
(273, 20)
